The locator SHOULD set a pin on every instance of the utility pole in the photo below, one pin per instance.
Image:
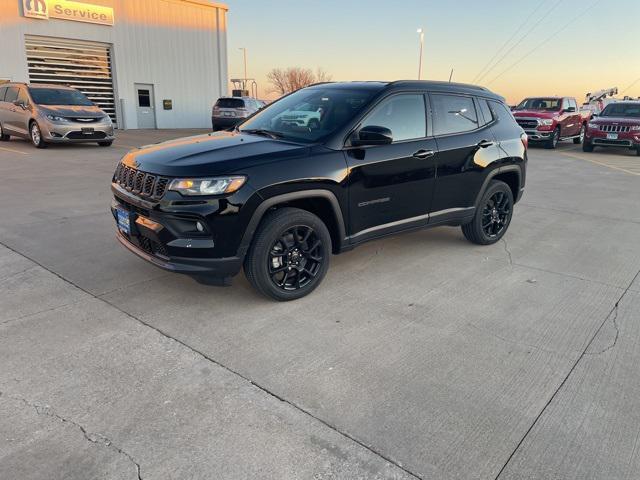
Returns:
(421, 34)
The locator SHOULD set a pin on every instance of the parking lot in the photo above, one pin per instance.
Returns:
(420, 356)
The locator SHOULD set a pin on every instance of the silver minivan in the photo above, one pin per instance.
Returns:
(51, 114)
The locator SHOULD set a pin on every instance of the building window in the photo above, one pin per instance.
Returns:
(144, 98)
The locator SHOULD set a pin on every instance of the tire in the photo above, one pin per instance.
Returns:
(495, 207)
(106, 144)
(4, 137)
(553, 140)
(580, 139)
(36, 136)
(298, 265)
(587, 147)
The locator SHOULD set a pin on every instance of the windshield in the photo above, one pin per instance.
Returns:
(631, 110)
(548, 104)
(59, 96)
(309, 114)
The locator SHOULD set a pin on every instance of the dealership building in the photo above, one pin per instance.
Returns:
(147, 63)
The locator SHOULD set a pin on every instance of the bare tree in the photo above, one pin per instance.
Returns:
(293, 78)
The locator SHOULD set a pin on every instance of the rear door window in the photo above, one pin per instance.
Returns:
(404, 115)
(453, 114)
(230, 103)
(11, 95)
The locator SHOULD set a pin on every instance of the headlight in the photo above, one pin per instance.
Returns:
(595, 126)
(635, 128)
(545, 121)
(207, 186)
(55, 118)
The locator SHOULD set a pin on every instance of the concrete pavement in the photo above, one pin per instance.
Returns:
(421, 356)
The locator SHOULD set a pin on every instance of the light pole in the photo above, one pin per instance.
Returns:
(244, 53)
(421, 33)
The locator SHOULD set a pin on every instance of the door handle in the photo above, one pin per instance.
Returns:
(486, 143)
(424, 154)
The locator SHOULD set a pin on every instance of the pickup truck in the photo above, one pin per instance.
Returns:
(550, 119)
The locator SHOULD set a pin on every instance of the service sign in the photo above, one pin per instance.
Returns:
(67, 10)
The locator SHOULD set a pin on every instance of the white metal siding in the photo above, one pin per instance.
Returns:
(83, 65)
(178, 46)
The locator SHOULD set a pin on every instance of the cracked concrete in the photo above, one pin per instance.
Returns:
(421, 356)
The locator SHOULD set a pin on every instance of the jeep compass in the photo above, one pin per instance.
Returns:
(279, 197)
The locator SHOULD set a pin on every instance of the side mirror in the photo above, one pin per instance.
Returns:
(20, 104)
(372, 135)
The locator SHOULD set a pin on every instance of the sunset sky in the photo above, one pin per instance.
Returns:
(571, 46)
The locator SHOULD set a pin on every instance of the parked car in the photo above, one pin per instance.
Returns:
(279, 199)
(51, 114)
(617, 126)
(227, 112)
(551, 119)
(306, 116)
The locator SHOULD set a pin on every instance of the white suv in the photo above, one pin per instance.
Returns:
(229, 111)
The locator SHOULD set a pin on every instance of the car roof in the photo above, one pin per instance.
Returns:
(37, 85)
(430, 85)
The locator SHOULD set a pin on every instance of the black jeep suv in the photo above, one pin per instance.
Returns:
(318, 172)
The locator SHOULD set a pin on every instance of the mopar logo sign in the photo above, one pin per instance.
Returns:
(68, 10)
(35, 9)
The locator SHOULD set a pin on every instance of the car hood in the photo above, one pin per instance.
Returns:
(616, 121)
(212, 154)
(534, 114)
(72, 110)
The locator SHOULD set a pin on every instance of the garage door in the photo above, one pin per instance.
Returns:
(82, 65)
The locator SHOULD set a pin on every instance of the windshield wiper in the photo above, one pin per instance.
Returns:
(264, 133)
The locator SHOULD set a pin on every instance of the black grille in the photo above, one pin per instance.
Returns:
(86, 136)
(614, 128)
(152, 247)
(140, 183)
(527, 124)
(605, 141)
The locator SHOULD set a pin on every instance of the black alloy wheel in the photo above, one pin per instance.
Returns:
(493, 215)
(295, 258)
(496, 214)
(289, 254)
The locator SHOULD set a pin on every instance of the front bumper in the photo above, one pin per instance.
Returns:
(156, 242)
(72, 132)
(538, 136)
(624, 139)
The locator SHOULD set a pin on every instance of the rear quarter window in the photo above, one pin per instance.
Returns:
(486, 112)
(230, 103)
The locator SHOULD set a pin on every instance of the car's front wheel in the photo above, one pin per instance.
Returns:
(553, 140)
(493, 215)
(36, 136)
(289, 255)
(3, 136)
(580, 138)
(587, 146)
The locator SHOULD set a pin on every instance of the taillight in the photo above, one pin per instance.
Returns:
(525, 140)
(215, 110)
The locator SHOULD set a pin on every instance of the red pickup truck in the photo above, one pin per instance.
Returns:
(551, 119)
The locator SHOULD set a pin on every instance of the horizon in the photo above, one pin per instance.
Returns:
(517, 37)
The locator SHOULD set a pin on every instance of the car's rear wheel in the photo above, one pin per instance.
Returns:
(289, 255)
(4, 137)
(493, 215)
(36, 136)
(108, 143)
(552, 142)
(587, 146)
(580, 139)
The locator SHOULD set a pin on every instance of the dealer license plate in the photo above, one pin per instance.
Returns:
(87, 131)
(612, 136)
(124, 221)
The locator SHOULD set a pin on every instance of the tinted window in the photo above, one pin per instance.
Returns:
(310, 113)
(453, 114)
(144, 98)
(11, 95)
(58, 96)
(501, 111)
(404, 115)
(3, 90)
(631, 110)
(230, 103)
(486, 111)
